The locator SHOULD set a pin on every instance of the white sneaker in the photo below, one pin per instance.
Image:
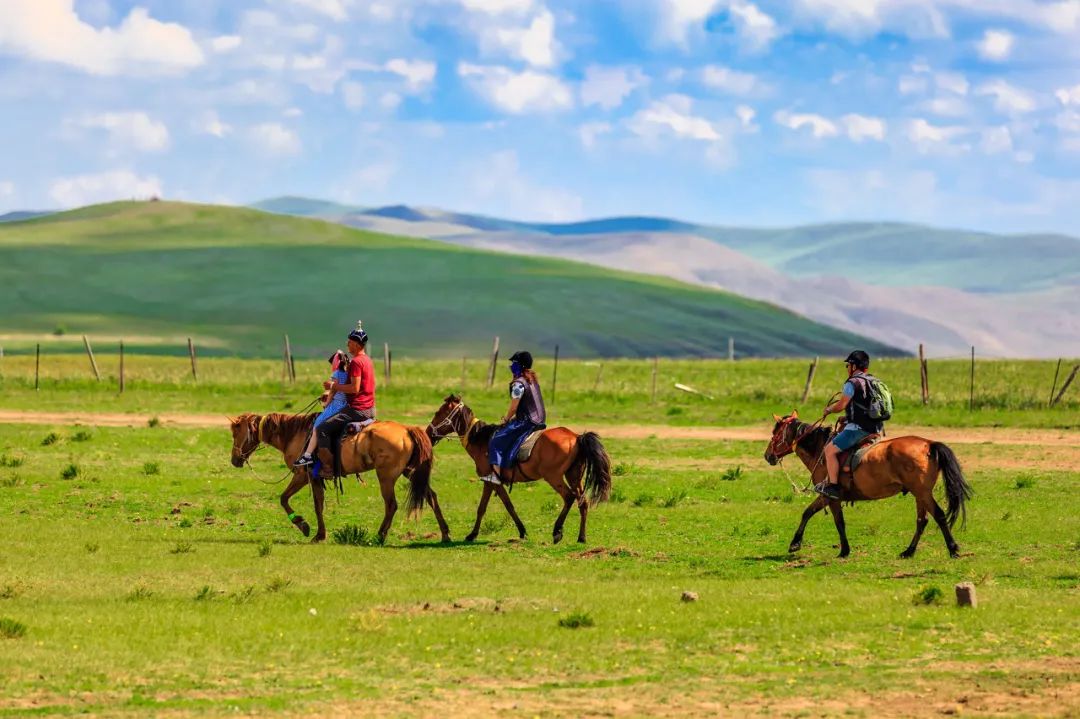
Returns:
(493, 478)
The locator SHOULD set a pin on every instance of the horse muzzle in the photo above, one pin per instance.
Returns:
(237, 461)
(771, 458)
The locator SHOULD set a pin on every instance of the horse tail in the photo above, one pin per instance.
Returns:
(419, 470)
(957, 490)
(592, 454)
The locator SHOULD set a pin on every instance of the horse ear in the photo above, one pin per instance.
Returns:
(794, 414)
(777, 417)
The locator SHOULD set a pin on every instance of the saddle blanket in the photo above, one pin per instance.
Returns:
(851, 460)
(358, 427)
(527, 446)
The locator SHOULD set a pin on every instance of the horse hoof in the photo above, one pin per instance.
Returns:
(955, 553)
(556, 537)
(470, 537)
(907, 554)
(794, 547)
(303, 526)
(843, 554)
(446, 539)
(318, 540)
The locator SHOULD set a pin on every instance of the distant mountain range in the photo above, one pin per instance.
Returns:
(20, 215)
(1009, 295)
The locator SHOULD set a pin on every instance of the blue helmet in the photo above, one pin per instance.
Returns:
(358, 334)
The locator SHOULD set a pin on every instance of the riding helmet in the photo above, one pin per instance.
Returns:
(522, 358)
(860, 359)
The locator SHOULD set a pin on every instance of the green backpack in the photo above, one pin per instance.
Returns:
(880, 406)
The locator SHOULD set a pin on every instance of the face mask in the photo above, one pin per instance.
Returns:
(516, 369)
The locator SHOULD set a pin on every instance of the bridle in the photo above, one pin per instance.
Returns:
(775, 448)
(256, 441)
(448, 422)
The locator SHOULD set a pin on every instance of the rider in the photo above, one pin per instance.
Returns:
(525, 415)
(854, 402)
(339, 363)
(359, 389)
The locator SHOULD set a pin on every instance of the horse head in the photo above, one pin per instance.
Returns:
(448, 419)
(245, 434)
(783, 438)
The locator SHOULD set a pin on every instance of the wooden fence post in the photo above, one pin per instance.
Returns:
(555, 375)
(386, 362)
(809, 380)
(731, 349)
(1053, 387)
(90, 354)
(494, 361)
(599, 374)
(290, 365)
(464, 376)
(971, 395)
(1065, 386)
(655, 362)
(37, 366)
(923, 376)
(191, 353)
(121, 366)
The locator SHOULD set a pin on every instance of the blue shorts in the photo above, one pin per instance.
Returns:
(850, 436)
(331, 409)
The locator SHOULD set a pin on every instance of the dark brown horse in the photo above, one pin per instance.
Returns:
(904, 464)
(569, 462)
(391, 449)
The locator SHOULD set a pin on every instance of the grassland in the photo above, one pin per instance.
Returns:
(236, 280)
(150, 577)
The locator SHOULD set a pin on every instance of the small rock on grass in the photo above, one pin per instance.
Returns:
(965, 595)
(689, 596)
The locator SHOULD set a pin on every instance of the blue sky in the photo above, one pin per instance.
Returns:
(953, 112)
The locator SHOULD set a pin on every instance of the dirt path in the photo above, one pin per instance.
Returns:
(952, 435)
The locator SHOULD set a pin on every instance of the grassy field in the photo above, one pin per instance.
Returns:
(141, 574)
(236, 280)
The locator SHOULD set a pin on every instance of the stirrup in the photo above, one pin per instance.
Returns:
(491, 479)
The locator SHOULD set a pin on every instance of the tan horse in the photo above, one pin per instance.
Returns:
(389, 448)
(904, 464)
(569, 462)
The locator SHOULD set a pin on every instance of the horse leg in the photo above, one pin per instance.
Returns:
(568, 501)
(298, 481)
(433, 500)
(816, 506)
(939, 517)
(480, 509)
(838, 520)
(505, 497)
(573, 479)
(318, 496)
(920, 524)
(386, 488)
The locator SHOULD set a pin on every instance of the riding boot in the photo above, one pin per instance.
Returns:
(827, 489)
(326, 463)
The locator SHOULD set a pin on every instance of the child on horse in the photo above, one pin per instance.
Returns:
(525, 416)
(339, 364)
(359, 389)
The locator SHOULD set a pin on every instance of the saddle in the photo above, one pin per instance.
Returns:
(351, 430)
(852, 458)
(525, 451)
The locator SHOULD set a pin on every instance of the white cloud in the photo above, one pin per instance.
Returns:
(590, 131)
(1008, 99)
(1068, 96)
(608, 87)
(225, 43)
(418, 74)
(820, 127)
(82, 190)
(211, 124)
(333, 9)
(996, 140)
(996, 45)
(912, 84)
(292, 112)
(677, 17)
(953, 82)
(274, 139)
(746, 115)
(352, 93)
(947, 106)
(935, 139)
(7, 188)
(129, 130)
(673, 116)
(861, 127)
(498, 7)
(517, 92)
(51, 31)
(375, 176)
(390, 101)
(500, 182)
(535, 43)
(859, 19)
(756, 29)
(728, 80)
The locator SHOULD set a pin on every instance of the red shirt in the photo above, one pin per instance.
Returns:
(360, 366)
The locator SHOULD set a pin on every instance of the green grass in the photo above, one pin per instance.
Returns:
(130, 610)
(235, 280)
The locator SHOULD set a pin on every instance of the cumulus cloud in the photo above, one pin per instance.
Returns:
(756, 29)
(820, 127)
(590, 131)
(996, 140)
(210, 124)
(679, 17)
(333, 9)
(225, 43)
(498, 7)
(860, 127)
(418, 74)
(535, 43)
(272, 138)
(352, 93)
(728, 80)
(1069, 96)
(80, 190)
(1008, 99)
(673, 116)
(609, 87)
(517, 92)
(996, 45)
(51, 31)
(129, 130)
(935, 139)
(746, 115)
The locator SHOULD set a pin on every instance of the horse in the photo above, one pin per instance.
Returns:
(572, 464)
(391, 449)
(904, 464)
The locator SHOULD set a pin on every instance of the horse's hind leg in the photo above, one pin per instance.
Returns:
(298, 481)
(568, 498)
(318, 496)
(841, 529)
(939, 517)
(573, 478)
(386, 488)
(480, 510)
(505, 497)
(920, 524)
(433, 500)
(816, 506)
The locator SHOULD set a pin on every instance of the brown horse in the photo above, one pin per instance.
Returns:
(391, 449)
(904, 464)
(569, 462)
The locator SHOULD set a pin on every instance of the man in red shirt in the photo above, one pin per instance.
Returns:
(360, 391)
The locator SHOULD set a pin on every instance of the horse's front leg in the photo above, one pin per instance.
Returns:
(318, 496)
(838, 519)
(480, 509)
(816, 506)
(300, 478)
(505, 497)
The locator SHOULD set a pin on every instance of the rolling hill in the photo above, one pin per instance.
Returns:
(236, 279)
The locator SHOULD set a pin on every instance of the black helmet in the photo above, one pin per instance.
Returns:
(860, 359)
(358, 334)
(523, 358)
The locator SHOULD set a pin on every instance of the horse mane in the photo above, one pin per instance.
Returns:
(287, 426)
(815, 438)
(481, 432)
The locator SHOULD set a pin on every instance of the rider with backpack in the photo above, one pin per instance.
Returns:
(867, 404)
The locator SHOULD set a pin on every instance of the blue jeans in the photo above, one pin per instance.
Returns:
(850, 436)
